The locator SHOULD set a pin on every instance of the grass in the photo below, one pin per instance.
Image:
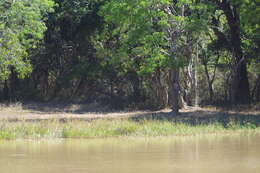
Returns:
(116, 128)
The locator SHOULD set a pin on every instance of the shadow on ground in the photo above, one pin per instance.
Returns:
(66, 108)
(89, 112)
(203, 117)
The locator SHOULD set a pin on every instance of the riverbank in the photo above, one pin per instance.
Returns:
(116, 128)
(19, 122)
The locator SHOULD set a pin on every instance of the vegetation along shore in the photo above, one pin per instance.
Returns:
(190, 122)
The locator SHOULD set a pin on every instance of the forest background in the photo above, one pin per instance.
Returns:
(134, 54)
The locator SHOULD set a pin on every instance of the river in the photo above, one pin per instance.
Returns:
(238, 153)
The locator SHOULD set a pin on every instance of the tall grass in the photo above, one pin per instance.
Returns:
(115, 128)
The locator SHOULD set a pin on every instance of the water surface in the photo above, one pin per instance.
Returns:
(215, 154)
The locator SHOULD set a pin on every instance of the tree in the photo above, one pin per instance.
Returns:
(148, 32)
(234, 12)
(21, 28)
(65, 63)
(135, 53)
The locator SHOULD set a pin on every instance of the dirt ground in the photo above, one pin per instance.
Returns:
(37, 112)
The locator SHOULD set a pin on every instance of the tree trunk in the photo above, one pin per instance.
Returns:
(227, 87)
(256, 91)
(6, 95)
(13, 85)
(240, 86)
(196, 85)
(190, 83)
(240, 93)
(210, 87)
(133, 77)
(210, 80)
(175, 91)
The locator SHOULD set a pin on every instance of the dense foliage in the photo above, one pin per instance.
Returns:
(21, 27)
(131, 53)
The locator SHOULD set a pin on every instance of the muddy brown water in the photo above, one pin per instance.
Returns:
(213, 154)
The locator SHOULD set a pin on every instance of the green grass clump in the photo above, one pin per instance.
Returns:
(116, 128)
(7, 134)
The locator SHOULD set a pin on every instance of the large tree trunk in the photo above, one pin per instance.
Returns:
(174, 34)
(240, 93)
(240, 86)
(175, 91)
